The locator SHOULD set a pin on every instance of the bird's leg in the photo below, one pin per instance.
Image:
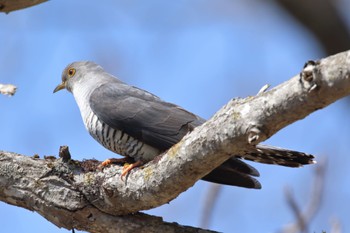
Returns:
(114, 160)
(128, 167)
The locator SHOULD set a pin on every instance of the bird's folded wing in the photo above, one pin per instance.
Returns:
(142, 115)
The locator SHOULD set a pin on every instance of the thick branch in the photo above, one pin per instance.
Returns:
(62, 186)
(47, 187)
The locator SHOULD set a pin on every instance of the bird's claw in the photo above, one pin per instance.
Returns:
(128, 167)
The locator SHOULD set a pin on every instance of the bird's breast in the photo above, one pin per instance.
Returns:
(113, 139)
(117, 140)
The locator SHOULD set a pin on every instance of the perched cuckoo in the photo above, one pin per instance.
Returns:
(135, 123)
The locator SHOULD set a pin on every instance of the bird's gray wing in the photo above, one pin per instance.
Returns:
(160, 124)
(142, 115)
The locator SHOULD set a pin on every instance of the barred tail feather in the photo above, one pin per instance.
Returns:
(279, 156)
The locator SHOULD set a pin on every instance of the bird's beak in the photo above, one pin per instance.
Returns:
(60, 87)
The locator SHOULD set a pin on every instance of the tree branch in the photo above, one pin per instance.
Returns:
(7, 89)
(9, 5)
(210, 201)
(305, 215)
(322, 18)
(56, 189)
(47, 186)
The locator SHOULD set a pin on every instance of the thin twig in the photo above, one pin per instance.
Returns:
(7, 89)
(304, 217)
(209, 204)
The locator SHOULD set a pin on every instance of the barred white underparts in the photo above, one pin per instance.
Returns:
(118, 141)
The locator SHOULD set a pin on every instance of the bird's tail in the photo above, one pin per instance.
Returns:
(237, 173)
(279, 156)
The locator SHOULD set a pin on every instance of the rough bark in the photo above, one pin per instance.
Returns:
(71, 195)
(47, 186)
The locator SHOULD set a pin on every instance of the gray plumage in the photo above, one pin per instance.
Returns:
(135, 123)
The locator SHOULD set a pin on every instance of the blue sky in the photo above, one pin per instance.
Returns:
(197, 54)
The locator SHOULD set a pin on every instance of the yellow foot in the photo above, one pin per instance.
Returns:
(127, 168)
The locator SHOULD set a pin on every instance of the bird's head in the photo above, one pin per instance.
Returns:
(78, 72)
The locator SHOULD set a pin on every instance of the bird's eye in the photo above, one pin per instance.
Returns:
(71, 72)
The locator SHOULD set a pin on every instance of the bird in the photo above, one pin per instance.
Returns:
(137, 124)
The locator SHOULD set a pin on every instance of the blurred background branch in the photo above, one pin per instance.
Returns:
(9, 5)
(323, 19)
(209, 203)
(304, 216)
